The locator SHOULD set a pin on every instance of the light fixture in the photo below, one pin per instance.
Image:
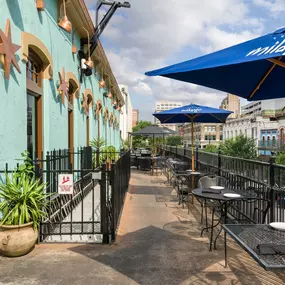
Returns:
(114, 102)
(73, 49)
(40, 4)
(119, 108)
(110, 95)
(88, 62)
(101, 83)
(64, 23)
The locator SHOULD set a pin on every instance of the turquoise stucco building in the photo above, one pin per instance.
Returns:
(37, 115)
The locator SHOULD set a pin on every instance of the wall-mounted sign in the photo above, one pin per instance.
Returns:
(65, 184)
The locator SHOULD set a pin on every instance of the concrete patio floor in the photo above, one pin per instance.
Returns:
(158, 243)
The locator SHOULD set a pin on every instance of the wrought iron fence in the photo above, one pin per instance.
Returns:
(114, 186)
(265, 180)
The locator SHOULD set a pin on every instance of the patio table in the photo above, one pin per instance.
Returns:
(218, 196)
(249, 236)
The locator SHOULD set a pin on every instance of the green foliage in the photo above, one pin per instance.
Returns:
(174, 140)
(26, 167)
(141, 141)
(126, 144)
(97, 144)
(211, 148)
(109, 153)
(280, 158)
(141, 125)
(22, 196)
(240, 146)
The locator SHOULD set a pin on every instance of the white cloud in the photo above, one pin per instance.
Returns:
(274, 6)
(146, 36)
(219, 39)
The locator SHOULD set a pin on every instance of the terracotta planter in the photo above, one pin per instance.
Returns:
(17, 240)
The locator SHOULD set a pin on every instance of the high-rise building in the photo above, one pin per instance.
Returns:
(135, 117)
(126, 120)
(231, 103)
(163, 106)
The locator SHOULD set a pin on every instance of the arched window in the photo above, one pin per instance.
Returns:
(34, 73)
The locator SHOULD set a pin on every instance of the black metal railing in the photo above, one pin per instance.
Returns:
(265, 180)
(114, 186)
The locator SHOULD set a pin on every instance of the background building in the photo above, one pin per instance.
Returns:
(163, 106)
(262, 130)
(126, 119)
(231, 103)
(135, 117)
(263, 108)
(204, 134)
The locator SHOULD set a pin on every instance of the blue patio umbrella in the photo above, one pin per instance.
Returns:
(193, 114)
(254, 70)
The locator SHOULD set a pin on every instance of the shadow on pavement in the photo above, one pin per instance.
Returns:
(156, 256)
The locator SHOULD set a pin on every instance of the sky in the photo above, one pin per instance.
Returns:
(155, 33)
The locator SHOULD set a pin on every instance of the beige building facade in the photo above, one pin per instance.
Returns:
(231, 103)
(135, 117)
(204, 134)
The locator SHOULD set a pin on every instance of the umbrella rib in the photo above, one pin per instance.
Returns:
(190, 117)
(263, 78)
(169, 118)
(216, 118)
(276, 61)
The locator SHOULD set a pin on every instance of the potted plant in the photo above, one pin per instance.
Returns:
(22, 206)
(109, 153)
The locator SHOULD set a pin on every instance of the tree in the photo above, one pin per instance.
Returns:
(211, 148)
(280, 158)
(240, 146)
(173, 140)
(141, 125)
(141, 141)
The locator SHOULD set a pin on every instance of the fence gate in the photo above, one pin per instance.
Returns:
(76, 217)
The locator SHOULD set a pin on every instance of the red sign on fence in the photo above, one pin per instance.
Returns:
(65, 184)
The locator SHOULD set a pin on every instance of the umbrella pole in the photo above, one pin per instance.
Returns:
(193, 162)
(192, 138)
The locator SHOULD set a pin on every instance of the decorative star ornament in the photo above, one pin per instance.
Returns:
(85, 105)
(8, 49)
(63, 87)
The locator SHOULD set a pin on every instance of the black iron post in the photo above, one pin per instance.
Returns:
(104, 212)
(271, 193)
(113, 201)
(219, 162)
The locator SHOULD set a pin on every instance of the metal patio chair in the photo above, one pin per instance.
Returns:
(205, 183)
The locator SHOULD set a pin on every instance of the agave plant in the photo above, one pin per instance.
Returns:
(23, 200)
(97, 144)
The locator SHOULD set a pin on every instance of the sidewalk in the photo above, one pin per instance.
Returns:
(158, 243)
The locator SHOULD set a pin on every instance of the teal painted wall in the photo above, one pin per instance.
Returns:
(13, 126)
